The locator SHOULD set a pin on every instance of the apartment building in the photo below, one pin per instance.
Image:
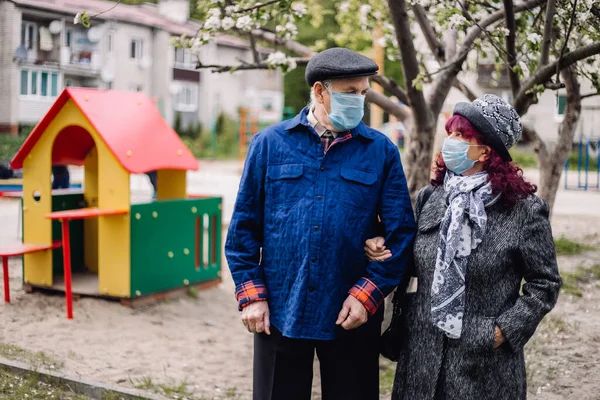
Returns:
(127, 48)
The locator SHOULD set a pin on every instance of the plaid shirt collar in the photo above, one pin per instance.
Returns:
(316, 125)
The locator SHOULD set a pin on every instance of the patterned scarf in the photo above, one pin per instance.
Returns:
(461, 231)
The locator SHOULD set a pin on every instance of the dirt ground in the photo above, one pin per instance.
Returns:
(196, 347)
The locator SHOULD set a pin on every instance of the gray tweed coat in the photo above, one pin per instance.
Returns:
(518, 246)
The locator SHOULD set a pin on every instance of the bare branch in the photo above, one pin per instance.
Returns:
(458, 84)
(257, 6)
(402, 112)
(390, 85)
(524, 99)
(442, 84)
(105, 11)
(437, 49)
(288, 44)
(588, 95)
(244, 66)
(410, 63)
(509, 17)
(255, 54)
(562, 50)
(550, 8)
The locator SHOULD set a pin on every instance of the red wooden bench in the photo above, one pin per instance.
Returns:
(19, 249)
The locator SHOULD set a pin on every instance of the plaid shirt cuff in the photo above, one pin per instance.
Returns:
(249, 292)
(368, 294)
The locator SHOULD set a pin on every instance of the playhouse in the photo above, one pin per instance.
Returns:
(94, 241)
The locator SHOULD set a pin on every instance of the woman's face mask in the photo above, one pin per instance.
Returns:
(347, 110)
(454, 153)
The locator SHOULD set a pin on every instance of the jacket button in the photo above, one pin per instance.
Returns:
(317, 228)
(319, 197)
(311, 289)
(314, 259)
(322, 168)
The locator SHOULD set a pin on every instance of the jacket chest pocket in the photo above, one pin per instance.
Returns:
(357, 188)
(284, 183)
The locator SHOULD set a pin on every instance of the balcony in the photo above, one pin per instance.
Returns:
(70, 50)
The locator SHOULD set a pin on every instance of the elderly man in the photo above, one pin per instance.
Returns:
(312, 191)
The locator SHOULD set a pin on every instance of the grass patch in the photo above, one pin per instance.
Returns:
(525, 159)
(566, 246)
(176, 390)
(528, 159)
(9, 145)
(387, 373)
(34, 359)
(18, 387)
(573, 281)
(144, 383)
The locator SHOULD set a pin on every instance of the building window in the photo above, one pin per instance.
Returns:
(40, 84)
(186, 100)
(28, 35)
(184, 59)
(136, 49)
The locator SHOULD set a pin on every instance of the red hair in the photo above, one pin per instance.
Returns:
(506, 177)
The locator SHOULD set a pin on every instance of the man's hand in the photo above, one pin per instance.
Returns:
(255, 317)
(353, 314)
(375, 249)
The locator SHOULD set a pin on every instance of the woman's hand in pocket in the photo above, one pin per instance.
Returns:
(375, 249)
(498, 337)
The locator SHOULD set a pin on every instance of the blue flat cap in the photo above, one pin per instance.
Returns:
(337, 63)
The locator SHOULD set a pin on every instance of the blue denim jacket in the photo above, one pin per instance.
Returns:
(302, 216)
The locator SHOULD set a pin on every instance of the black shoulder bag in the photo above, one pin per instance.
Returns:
(391, 339)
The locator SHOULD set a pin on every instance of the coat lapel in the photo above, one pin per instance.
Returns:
(433, 211)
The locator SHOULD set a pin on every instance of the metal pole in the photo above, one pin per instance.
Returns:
(587, 162)
(66, 237)
(6, 283)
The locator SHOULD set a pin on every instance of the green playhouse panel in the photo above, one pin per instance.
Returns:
(61, 202)
(174, 243)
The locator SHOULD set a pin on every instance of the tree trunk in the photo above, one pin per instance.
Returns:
(552, 164)
(418, 158)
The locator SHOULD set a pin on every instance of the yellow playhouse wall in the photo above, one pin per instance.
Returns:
(90, 226)
(36, 228)
(171, 184)
(112, 192)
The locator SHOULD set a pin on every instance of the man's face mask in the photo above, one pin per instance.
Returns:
(347, 110)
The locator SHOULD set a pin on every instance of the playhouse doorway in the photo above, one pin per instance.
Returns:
(75, 147)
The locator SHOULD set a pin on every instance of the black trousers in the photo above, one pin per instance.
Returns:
(349, 365)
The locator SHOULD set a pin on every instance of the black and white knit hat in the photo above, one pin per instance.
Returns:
(495, 119)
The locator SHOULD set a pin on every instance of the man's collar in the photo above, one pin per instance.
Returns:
(320, 129)
(302, 119)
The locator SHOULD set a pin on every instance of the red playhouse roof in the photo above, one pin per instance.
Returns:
(129, 124)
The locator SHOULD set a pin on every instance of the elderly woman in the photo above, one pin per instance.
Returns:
(481, 233)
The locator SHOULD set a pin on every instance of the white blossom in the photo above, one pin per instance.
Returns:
(231, 10)
(244, 23)
(227, 23)
(214, 12)
(212, 23)
(534, 38)
(291, 28)
(456, 21)
(299, 9)
(381, 42)
(504, 31)
(77, 19)
(345, 7)
(279, 59)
